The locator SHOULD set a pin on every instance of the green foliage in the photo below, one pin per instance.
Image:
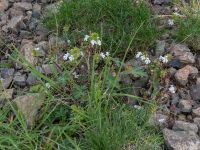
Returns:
(188, 29)
(116, 20)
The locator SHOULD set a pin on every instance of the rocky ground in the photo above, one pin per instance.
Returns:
(179, 117)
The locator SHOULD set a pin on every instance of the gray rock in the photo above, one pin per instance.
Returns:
(7, 72)
(175, 99)
(36, 11)
(181, 140)
(49, 68)
(197, 122)
(15, 24)
(15, 12)
(6, 82)
(160, 48)
(158, 120)
(182, 53)
(20, 79)
(25, 34)
(198, 81)
(195, 92)
(185, 106)
(196, 112)
(24, 6)
(28, 105)
(182, 75)
(159, 2)
(27, 50)
(3, 5)
(185, 126)
(31, 80)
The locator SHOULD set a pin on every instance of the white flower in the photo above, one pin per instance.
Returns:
(82, 53)
(143, 57)
(107, 54)
(99, 42)
(172, 89)
(71, 57)
(66, 56)
(93, 42)
(147, 61)
(75, 75)
(138, 54)
(175, 9)
(170, 22)
(137, 107)
(37, 49)
(163, 59)
(86, 37)
(102, 55)
(68, 41)
(162, 120)
(48, 85)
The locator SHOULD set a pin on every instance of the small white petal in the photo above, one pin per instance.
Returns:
(170, 22)
(66, 56)
(102, 55)
(107, 54)
(48, 85)
(93, 42)
(99, 42)
(138, 54)
(71, 58)
(86, 37)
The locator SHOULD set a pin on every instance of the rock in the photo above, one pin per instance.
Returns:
(181, 140)
(7, 72)
(31, 80)
(197, 122)
(182, 75)
(198, 81)
(6, 82)
(179, 49)
(25, 34)
(187, 58)
(20, 79)
(172, 71)
(3, 5)
(196, 112)
(15, 12)
(185, 126)
(24, 6)
(15, 24)
(28, 105)
(176, 63)
(27, 50)
(36, 11)
(49, 68)
(194, 90)
(43, 45)
(158, 120)
(160, 48)
(159, 2)
(175, 99)
(185, 106)
(182, 53)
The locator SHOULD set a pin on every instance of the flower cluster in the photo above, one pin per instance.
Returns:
(75, 75)
(170, 22)
(164, 59)
(68, 56)
(93, 41)
(143, 58)
(172, 89)
(104, 55)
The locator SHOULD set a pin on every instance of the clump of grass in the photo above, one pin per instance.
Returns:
(72, 117)
(116, 20)
(188, 29)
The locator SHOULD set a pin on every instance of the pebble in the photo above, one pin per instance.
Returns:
(185, 126)
(196, 112)
(181, 140)
(185, 106)
(195, 92)
(20, 80)
(182, 75)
